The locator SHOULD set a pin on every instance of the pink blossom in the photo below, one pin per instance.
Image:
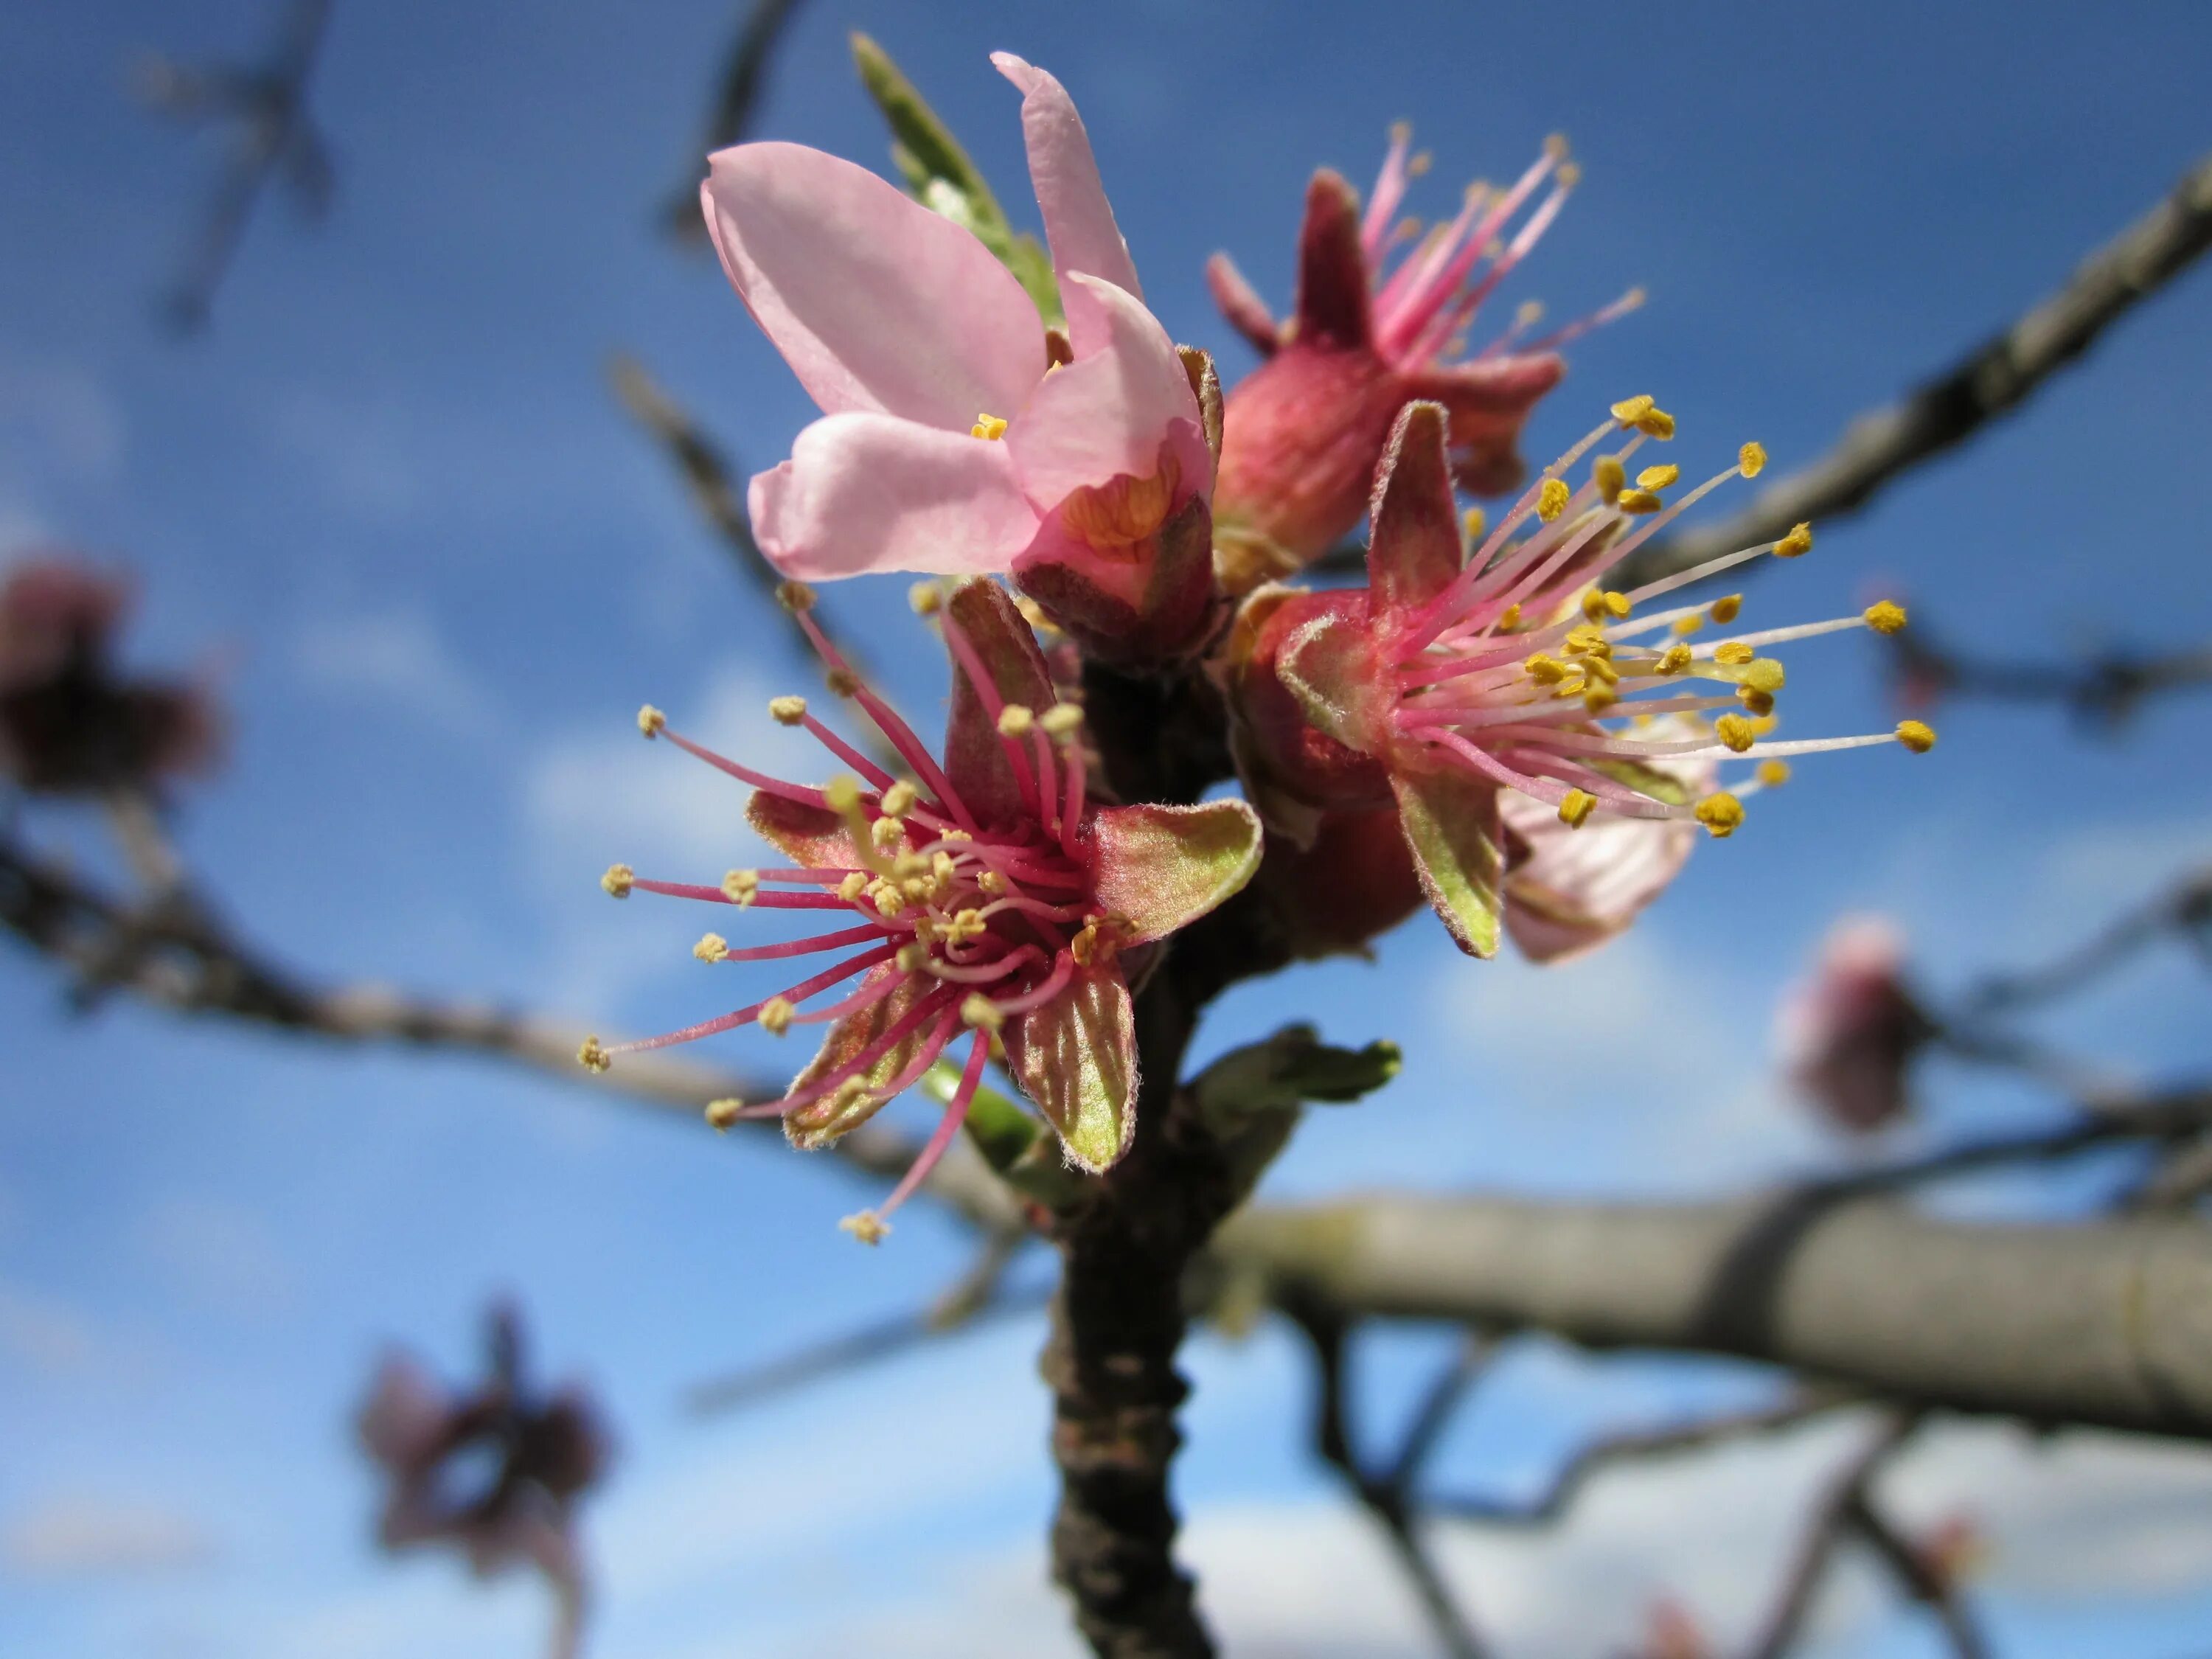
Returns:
(993, 894)
(1847, 1035)
(1462, 677)
(1371, 334)
(958, 437)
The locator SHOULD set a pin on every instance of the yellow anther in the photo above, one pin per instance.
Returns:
(741, 887)
(592, 1055)
(1721, 813)
(1551, 498)
(711, 947)
(1594, 605)
(651, 722)
(888, 896)
(1617, 605)
(1576, 807)
(1639, 501)
(794, 597)
(1733, 654)
(1555, 146)
(787, 711)
(1473, 522)
(1588, 640)
(853, 886)
(1766, 675)
(1659, 478)
(720, 1114)
(1599, 698)
(1402, 132)
(1655, 423)
(898, 800)
(924, 599)
(964, 924)
(841, 682)
(1609, 476)
(887, 835)
(991, 882)
(1916, 735)
(1675, 658)
(1530, 314)
(916, 889)
(1033, 614)
(1751, 460)
(841, 794)
(1601, 669)
(1512, 619)
(952, 834)
(911, 956)
(775, 1015)
(1570, 175)
(1546, 670)
(867, 1226)
(1773, 775)
(1764, 724)
(618, 881)
(1688, 625)
(987, 426)
(980, 1011)
(1736, 731)
(1726, 610)
(1755, 701)
(1419, 164)
(1015, 721)
(1631, 411)
(1886, 617)
(1798, 541)
(1062, 719)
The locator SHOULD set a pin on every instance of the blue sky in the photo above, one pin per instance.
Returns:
(390, 494)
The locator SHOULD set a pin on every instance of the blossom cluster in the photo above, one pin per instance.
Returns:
(1495, 721)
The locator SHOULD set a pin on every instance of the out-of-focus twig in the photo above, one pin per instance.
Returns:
(2102, 691)
(1945, 410)
(1389, 1496)
(1632, 1445)
(978, 1297)
(266, 107)
(1828, 1526)
(730, 117)
(184, 959)
(2185, 909)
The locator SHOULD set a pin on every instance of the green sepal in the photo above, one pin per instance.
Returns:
(940, 175)
(1451, 823)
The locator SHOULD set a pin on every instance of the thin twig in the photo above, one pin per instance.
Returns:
(1830, 1522)
(1389, 1498)
(2184, 908)
(737, 97)
(2101, 691)
(1593, 1457)
(1921, 1579)
(1956, 403)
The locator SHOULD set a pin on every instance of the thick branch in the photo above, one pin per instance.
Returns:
(1956, 403)
(2106, 1324)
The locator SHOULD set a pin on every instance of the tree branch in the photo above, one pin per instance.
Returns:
(2100, 692)
(1946, 410)
(1829, 1524)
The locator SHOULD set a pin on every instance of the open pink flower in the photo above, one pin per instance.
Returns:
(991, 894)
(1460, 678)
(1848, 1035)
(958, 437)
(1304, 430)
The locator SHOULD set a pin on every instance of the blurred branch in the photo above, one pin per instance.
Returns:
(1389, 1496)
(977, 1297)
(2185, 909)
(1632, 1445)
(267, 107)
(730, 117)
(2103, 690)
(1824, 1530)
(182, 959)
(1945, 410)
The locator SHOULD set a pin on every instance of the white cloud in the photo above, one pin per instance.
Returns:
(399, 658)
(78, 1534)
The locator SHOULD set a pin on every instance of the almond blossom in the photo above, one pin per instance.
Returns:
(1461, 678)
(1848, 1034)
(992, 897)
(959, 435)
(1371, 334)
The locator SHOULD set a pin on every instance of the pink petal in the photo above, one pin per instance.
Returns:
(1107, 414)
(864, 492)
(875, 302)
(1079, 221)
(1575, 889)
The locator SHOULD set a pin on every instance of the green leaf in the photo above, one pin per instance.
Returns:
(1451, 823)
(1288, 1069)
(940, 175)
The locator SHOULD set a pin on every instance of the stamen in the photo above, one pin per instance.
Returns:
(618, 881)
